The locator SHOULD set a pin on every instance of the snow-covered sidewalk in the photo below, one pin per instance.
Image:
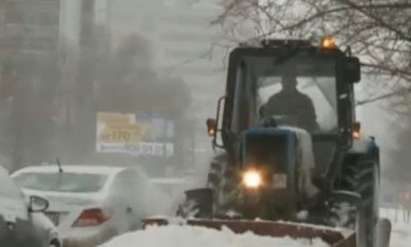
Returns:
(189, 236)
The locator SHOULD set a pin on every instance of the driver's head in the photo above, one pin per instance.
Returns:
(289, 82)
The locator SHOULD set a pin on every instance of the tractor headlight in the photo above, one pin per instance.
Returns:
(252, 179)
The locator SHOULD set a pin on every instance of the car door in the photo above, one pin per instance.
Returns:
(16, 227)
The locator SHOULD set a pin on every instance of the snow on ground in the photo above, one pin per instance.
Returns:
(189, 236)
(401, 235)
(401, 227)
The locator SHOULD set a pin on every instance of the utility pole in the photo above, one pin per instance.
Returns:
(34, 62)
(83, 129)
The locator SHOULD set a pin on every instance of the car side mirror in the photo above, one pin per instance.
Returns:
(352, 69)
(38, 204)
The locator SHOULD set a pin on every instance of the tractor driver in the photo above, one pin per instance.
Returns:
(293, 104)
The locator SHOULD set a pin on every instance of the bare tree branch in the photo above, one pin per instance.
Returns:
(379, 32)
(379, 20)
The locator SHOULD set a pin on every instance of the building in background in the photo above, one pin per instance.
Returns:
(29, 44)
(183, 42)
(181, 36)
(107, 71)
(54, 49)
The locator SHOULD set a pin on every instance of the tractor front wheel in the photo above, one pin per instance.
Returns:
(361, 176)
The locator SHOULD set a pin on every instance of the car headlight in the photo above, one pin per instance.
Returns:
(252, 179)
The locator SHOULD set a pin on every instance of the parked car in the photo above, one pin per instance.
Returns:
(22, 223)
(90, 204)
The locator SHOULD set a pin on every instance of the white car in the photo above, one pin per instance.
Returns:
(91, 204)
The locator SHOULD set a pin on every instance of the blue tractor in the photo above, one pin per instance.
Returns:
(289, 148)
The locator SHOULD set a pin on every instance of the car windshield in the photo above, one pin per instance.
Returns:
(297, 91)
(62, 182)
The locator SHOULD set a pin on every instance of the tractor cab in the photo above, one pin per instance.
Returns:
(293, 84)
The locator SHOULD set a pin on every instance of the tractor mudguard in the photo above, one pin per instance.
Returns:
(364, 146)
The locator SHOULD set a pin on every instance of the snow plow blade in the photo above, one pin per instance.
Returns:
(330, 236)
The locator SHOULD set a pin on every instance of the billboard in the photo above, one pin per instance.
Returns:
(137, 134)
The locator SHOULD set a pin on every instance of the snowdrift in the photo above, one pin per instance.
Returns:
(189, 236)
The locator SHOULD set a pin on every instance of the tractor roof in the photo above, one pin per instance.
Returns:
(327, 45)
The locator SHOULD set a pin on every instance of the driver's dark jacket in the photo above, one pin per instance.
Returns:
(293, 104)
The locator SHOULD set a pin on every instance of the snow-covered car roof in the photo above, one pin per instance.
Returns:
(88, 169)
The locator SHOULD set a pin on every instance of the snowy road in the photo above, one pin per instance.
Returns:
(401, 232)
(401, 235)
(188, 236)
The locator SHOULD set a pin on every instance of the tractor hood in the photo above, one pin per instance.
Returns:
(269, 148)
(283, 155)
